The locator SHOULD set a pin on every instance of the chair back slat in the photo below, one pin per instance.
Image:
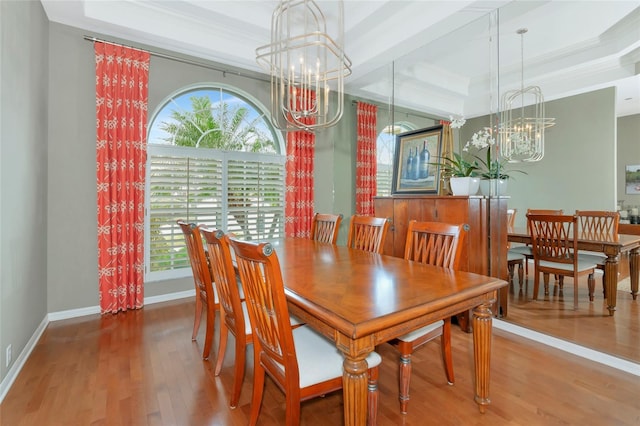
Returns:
(224, 277)
(367, 233)
(325, 227)
(542, 211)
(434, 243)
(198, 260)
(554, 238)
(261, 278)
(598, 225)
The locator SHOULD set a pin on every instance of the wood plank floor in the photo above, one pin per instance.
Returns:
(141, 368)
(590, 325)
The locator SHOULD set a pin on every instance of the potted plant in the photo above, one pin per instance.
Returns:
(493, 171)
(461, 173)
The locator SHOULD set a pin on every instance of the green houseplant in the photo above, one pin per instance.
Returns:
(462, 174)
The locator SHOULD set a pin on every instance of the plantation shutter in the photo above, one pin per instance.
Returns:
(238, 192)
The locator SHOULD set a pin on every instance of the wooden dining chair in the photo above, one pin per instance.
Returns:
(438, 244)
(514, 258)
(205, 294)
(302, 362)
(367, 233)
(554, 241)
(597, 225)
(325, 227)
(526, 249)
(234, 316)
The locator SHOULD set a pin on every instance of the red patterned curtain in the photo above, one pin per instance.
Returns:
(366, 158)
(299, 180)
(121, 124)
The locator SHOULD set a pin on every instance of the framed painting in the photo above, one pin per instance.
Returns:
(632, 179)
(413, 171)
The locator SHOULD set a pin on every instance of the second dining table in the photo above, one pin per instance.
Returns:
(611, 247)
(360, 299)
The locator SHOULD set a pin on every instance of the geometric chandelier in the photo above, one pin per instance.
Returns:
(306, 61)
(522, 120)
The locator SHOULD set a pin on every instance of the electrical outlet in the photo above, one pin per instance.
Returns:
(8, 360)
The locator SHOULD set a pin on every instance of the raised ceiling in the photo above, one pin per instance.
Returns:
(440, 49)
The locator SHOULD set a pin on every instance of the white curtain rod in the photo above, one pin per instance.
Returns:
(178, 59)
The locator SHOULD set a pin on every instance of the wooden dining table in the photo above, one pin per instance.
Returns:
(611, 247)
(360, 299)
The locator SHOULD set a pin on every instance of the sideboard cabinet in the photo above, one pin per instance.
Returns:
(484, 219)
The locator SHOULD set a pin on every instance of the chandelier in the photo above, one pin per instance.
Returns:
(306, 61)
(522, 120)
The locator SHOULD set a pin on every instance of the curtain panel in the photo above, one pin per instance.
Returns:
(366, 158)
(121, 119)
(299, 178)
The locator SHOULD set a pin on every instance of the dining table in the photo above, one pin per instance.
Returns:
(612, 246)
(360, 300)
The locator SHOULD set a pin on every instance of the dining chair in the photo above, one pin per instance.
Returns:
(367, 233)
(513, 257)
(302, 362)
(438, 244)
(597, 225)
(325, 227)
(234, 316)
(206, 300)
(554, 241)
(525, 250)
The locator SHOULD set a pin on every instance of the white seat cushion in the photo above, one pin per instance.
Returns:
(514, 256)
(318, 358)
(525, 250)
(413, 335)
(592, 257)
(582, 265)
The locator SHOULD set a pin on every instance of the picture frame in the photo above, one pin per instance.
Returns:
(415, 175)
(632, 179)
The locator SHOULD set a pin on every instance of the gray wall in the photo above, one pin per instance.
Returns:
(628, 154)
(23, 174)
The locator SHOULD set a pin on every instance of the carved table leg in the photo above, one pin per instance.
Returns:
(482, 352)
(634, 255)
(354, 381)
(611, 281)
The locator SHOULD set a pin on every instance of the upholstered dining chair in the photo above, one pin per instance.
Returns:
(526, 249)
(597, 225)
(325, 227)
(514, 258)
(234, 316)
(300, 361)
(367, 233)
(554, 241)
(438, 244)
(206, 300)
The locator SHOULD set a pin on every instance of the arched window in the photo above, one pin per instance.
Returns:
(213, 158)
(385, 147)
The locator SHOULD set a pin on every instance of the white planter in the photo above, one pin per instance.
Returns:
(493, 187)
(464, 185)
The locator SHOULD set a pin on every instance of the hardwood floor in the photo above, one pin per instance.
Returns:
(590, 325)
(141, 368)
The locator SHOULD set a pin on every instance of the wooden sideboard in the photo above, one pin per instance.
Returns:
(485, 219)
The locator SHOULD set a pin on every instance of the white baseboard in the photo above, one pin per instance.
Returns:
(572, 348)
(15, 369)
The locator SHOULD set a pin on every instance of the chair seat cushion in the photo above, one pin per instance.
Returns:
(512, 257)
(421, 331)
(318, 358)
(591, 257)
(525, 250)
(582, 265)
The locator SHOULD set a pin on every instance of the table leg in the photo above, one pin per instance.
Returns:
(634, 256)
(611, 281)
(482, 352)
(354, 381)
